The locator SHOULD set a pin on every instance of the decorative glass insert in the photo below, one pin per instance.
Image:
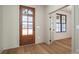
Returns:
(30, 11)
(25, 11)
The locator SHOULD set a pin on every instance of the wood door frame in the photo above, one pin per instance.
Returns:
(20, 22)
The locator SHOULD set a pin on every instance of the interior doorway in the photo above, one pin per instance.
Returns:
(27, 25)
(61, 26)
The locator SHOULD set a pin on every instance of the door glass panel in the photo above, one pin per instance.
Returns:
(63, 21)
(63, 29)
(30, 31)
(24, 26)
(30, 19)
(63, 25)
(57, 19)
(25, 11)
(27, 22)
(24, 31)
(24, 23)
(24, 18)
(57, 27)
(63, 17)
(30, 11)
(30, 25)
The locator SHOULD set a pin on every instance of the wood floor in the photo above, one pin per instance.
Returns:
(57, 47)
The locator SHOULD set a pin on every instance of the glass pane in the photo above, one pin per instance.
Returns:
(63, 21)
(24, 31)
(30, 12)
(57, 27)
(24, 26)
(30, 19)
(57, 19)
(25, 11)
(63, 29)
(64, 25)
(24, 22)
(63, 17)
(24, 18)
(30, 25)
(30, 31)
(57, 30)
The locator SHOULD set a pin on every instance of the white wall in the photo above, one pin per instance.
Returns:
(10, 25)
(76, 29)
(0, 27)
(68, 32)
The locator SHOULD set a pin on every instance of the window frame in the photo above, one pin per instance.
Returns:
(62, 23)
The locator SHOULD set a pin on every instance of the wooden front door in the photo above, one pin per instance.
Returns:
(27, 25)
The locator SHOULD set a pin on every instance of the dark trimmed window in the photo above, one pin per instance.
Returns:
(61, 23)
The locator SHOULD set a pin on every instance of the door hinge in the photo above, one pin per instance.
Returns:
(50, 29)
